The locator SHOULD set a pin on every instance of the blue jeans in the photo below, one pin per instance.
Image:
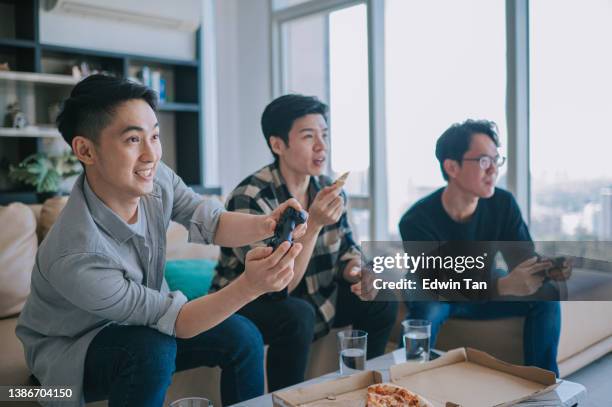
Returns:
(288, 326)
(133, 365)
(541, 331)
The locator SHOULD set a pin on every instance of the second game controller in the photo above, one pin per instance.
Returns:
(283, 232)
(289, 220)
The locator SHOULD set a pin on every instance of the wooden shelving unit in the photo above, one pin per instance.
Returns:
(42, 72)
(30, 131)
(179, 107)
(33, 77)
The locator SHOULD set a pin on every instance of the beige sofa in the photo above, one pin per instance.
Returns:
(586, 332)
(22, 227)
(586, 335)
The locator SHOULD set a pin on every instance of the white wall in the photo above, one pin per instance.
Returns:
(73, 30)
(243, 86)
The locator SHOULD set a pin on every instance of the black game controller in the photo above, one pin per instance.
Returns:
(289, 220)
(555, 271)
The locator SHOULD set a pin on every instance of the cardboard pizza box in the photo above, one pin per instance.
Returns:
(343, 391)
(470, 378)
(346, 391)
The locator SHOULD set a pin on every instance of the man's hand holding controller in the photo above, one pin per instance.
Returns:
(528, 277)
(561, 268)
(271, 221)
(524, 279)
(283, 235)
(270, 269)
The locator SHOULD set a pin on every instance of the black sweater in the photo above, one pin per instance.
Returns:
(496, 219)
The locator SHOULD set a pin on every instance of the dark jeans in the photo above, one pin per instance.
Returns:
(540, 334)
(287, 325)
(133, 365)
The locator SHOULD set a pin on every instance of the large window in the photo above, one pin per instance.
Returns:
(326, 55)
(570, 104)
(305, 56)
(445, 63)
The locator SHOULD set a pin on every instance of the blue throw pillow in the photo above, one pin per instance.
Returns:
(193, 277)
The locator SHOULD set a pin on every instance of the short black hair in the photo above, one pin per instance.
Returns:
(278, 117)
(455, 141)
(92, 102)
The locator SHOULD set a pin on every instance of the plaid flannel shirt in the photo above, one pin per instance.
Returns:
(261, 193)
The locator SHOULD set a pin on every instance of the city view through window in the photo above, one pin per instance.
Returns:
(570, 88)
(434, 83)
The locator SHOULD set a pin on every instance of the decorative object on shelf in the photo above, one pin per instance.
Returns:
(153, 79)
(144, 76)
(54, 110)
(4, 66)
(86, 70)
(45, 172)
(14, 116)
(82, 69)
(162, 90)
(76, 72)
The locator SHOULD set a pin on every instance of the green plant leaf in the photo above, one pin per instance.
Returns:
(35, 168)
(22, 175)
(44, 172)
(50, 182)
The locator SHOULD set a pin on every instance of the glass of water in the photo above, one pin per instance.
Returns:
(192, 402)
(353, 347)
(417, 333)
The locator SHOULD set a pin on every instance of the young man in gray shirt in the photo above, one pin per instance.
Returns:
(100, 317)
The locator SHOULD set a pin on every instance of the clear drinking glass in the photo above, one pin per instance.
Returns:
(192, 402)
(417, 333)
(352, 349)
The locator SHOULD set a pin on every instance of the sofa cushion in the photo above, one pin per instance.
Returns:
(583, 324)
(178, 248)
(18, 243)
(502, 338)
(192, 277)
(14, 370)
(36, 208)
(48, 214)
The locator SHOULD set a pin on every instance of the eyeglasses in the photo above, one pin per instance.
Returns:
(485, 161)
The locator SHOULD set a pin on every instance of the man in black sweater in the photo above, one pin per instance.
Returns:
(471, 208)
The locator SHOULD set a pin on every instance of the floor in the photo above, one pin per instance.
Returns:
(597, 378)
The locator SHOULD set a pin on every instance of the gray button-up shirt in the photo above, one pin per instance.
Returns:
(82, 280)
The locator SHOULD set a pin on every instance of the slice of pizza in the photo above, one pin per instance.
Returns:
(342, 179)
(390, 395)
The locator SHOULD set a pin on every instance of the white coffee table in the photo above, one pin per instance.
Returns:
(567, 394)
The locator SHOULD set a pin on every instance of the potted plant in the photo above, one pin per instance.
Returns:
(45, 172)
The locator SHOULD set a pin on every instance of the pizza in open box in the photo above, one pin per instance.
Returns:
(376, 395)
(390, 395)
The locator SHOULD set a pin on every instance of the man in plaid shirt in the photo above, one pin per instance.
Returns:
(326, 289)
